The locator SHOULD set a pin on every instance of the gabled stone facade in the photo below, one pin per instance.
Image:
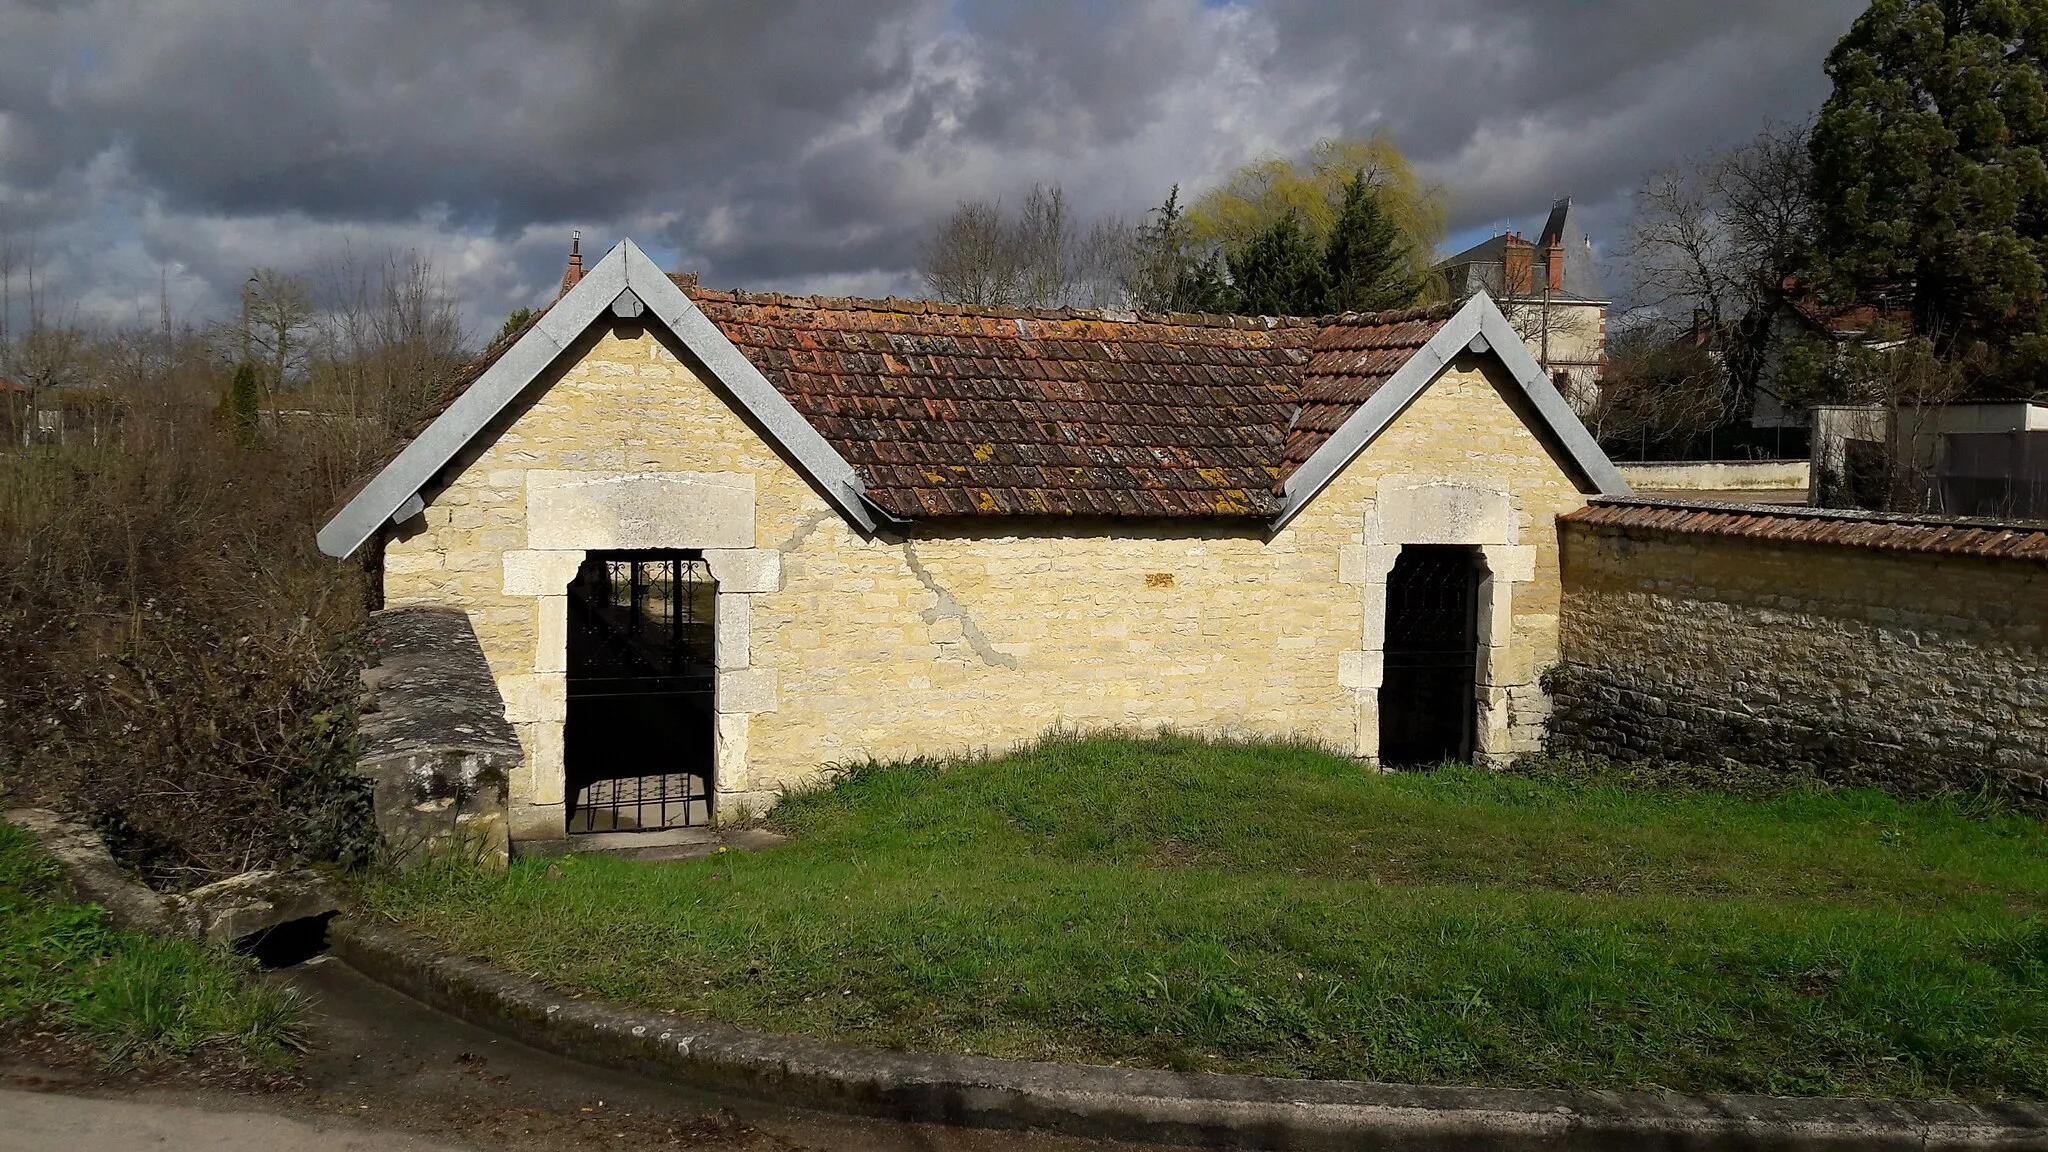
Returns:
(942, 635)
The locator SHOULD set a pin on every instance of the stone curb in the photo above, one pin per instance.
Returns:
(218, 913)
(1154, 1106)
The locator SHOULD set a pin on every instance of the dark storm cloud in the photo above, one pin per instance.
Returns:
(801, 142)
(375, 109)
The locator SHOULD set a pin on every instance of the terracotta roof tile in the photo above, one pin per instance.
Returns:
(1960, 536)
(956, 410)
(1349, 361)
(959, 410)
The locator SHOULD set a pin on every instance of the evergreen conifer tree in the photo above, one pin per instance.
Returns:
(1366, 261)
(242, 399)
(1280, 271)
(1929, 178)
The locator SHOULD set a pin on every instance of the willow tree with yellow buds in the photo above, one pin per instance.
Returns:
(1258, 195)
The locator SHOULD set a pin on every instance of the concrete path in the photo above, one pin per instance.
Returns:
(48, 1122)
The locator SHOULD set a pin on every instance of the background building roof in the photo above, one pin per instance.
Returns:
(1581, 273)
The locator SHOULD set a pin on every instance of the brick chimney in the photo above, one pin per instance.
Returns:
(575, 272)
(1554, 261)
(1518, 266)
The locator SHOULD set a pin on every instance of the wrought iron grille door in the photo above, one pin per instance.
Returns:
(1427, 701)
(638, 741)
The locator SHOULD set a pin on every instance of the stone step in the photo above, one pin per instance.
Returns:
(639, 841)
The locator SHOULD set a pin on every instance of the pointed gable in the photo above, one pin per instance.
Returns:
(898, 409)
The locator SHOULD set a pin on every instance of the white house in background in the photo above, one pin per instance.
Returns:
(1551, 292)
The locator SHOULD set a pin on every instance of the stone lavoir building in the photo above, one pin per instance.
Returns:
(712, 543)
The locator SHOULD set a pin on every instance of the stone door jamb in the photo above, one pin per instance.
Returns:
(1437, 511)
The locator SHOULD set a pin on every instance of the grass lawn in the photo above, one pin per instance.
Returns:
(1278, 910)
(129, 996)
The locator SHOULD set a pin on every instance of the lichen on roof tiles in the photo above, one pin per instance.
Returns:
(1038, 412)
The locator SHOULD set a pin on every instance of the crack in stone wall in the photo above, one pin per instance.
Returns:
(803, 531)
(947, 608)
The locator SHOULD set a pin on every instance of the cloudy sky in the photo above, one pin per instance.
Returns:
(804, 144)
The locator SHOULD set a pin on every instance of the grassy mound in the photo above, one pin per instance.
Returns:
(1278, 910)
(130, 996)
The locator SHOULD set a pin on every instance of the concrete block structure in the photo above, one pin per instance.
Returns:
(839, 529)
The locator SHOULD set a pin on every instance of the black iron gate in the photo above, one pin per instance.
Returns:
(1427, 701)
(639, 740)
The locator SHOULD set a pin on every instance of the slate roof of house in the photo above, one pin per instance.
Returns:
(1945, 535)
(1581, 273)
(955, 410)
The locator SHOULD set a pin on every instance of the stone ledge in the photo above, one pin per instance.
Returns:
(1156, 1106)
(90, 874)
(436, 744)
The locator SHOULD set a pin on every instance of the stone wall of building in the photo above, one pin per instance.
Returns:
(1866, 662)
(950, 636)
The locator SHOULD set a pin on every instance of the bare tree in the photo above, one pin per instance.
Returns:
(1658, 393)
(1041, 258)
(44, 355)
(1682, 255)
(970, 260)
(419, 337)
(278, 319)
(1045, 248)
(388, 338)
(1718, 244)
(1101, 265)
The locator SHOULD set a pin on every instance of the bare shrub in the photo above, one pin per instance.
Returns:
(178, 662)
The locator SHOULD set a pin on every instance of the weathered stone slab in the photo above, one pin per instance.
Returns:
(745, 569)
(595, 512)
(219, 913)
(242, 906)
(435, 741)
(1442, 511)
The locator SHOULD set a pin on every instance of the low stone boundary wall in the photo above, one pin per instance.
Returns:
(1905, 651)
(435, 742)
(224, 912)
(1720, 475)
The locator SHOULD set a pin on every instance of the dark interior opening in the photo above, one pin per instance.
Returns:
(289, 944)
(1428, 705)
(638, 742)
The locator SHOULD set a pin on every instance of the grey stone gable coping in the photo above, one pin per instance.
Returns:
(625, 268)
(1479, 320)
(731, 368)
(1152, 1106)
